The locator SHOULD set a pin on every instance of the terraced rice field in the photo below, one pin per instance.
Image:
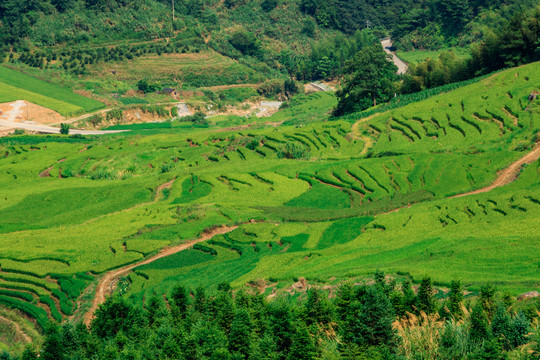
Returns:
(314, 199)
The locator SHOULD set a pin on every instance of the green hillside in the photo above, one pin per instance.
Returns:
(314, 201)
(15, 85)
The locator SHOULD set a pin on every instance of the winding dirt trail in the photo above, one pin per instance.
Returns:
(504, 177)
(104, 286)
(507, 175)
(17, 328)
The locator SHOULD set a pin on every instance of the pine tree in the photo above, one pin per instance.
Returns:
(478, 330)
(501, 327)
(425, 298)
(303, 347)
(520, 329)
(179, 301)
(155, 310)
(52, 347)
(343, 300)
(282, 325)
(317, 310)
(455, 299)
(29, 353)
(369, 320)
(240, 336)
(487, 299)
(409, 297)
(200, 300)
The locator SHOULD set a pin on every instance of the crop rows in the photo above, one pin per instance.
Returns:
(41, 298)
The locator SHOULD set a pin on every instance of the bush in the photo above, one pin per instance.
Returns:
(293, 151)
(64, 129)
(146, 88)
(115, 114)
(269, 5)
(246, 43)
(271, 88)
(198, 118)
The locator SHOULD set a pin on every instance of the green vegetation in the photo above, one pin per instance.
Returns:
(384, 320)
(417, 56)
(17, 86)
(310, 195)
(320, 210)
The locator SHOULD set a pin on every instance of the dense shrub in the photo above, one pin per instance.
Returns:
(293, 150)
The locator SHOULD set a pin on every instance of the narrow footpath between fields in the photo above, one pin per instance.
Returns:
(17, 328)
(509, 174)
(104, 286)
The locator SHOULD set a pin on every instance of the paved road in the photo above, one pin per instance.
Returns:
(53, 130)
(402, 67)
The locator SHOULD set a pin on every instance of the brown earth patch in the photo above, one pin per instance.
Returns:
(33, 112)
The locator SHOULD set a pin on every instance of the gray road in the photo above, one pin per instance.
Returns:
(53, 130)
(402, 66)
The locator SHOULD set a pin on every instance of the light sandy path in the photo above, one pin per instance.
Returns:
(17, 328)
(104, 287)
(53, 130)
(509, 174)
(505, 177)
(402, 66)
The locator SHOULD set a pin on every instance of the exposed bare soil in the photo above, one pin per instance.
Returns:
(20, 111)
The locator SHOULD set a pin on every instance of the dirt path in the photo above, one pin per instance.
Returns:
(104, 286)
(505, 177)
(17, 328)
(226, 87)
(402, 66)
(509, 174)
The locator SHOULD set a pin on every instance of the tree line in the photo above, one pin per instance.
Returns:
(373, 321)
(370, 76)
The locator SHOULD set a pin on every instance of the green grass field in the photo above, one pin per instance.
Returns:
(18, 86)
(74, 209)
(417, 56)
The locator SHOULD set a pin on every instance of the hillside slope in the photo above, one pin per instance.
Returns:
(315, 201)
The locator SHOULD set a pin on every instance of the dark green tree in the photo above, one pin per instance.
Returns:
(240, 336)
(303, 346)
(155, 311)
(369, 320)
(246, 43)
(116, 315)
(370, 79)
(455, 298)
(64, 129)
(425, 299)
(29, 353)
(487, 299)
(179, 301)
(409, 298)
(269, 5)
(52, 346)
(282, 327)
(478, 330)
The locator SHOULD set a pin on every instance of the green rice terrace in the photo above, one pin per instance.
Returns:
(318, 198)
